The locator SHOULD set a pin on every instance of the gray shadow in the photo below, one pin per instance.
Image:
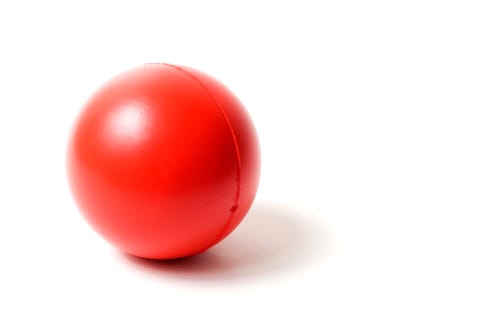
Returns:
(270, 240)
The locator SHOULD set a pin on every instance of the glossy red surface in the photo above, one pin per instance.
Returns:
(163, 161)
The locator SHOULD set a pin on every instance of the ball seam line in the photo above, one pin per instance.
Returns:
(234, 208)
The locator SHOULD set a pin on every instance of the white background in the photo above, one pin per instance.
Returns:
(368, 115)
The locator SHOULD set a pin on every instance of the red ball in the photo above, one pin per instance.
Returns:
(163, 161)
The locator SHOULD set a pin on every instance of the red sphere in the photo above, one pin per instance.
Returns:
(163, 161)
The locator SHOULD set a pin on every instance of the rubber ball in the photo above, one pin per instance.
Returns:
(163, 161)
